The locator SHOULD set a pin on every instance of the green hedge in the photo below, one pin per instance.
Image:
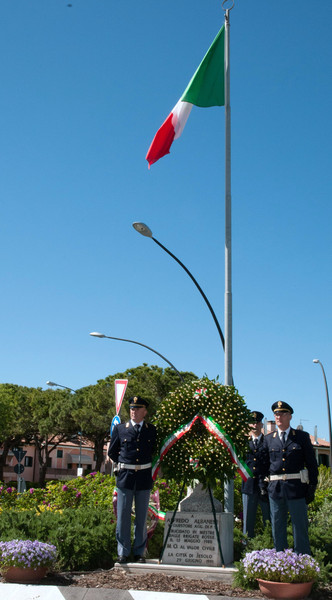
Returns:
(85, 538)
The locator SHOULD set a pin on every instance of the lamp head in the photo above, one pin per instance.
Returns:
(143, 229)
(51, 383)
(315, 360)
(97, 334)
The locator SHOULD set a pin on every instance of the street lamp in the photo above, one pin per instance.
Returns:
(143, 229)
(53, 384)
(315, 360)
(146, 231)
(109, 337)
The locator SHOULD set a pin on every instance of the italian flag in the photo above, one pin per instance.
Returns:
(206, 88)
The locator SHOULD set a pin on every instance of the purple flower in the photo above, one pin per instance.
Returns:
(26, 553)
(286, 566)
(9, 490)
(31, 490)
(65, 488)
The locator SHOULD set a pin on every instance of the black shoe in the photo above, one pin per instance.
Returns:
(122, 560)
(139, 559)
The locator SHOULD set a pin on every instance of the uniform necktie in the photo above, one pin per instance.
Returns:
(137, 429)
(283, 437)
(255, 443)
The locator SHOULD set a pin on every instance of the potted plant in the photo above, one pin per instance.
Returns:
(26, 561)
(281, 574)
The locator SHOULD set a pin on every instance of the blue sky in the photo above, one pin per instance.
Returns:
(83, 91)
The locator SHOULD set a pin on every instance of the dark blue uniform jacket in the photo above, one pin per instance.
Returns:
(257, 461)
(297, 454)
(125, 448)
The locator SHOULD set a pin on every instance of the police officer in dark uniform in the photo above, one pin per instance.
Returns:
(254, 495)
(131, 448)
(292, 473)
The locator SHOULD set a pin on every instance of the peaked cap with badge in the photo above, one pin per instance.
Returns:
(281, 406)
(138, 402)
(256, 417)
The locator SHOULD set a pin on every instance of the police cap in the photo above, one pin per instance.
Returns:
(256, 416)
(138, 402)
(281, 407)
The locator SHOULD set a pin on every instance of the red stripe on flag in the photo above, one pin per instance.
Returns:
(162, 141)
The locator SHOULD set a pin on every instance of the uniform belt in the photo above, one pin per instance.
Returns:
(134, 467)
(285, 476)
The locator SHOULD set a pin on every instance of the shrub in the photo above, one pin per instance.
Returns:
(85, 538)
(95, 489)
(169, 493)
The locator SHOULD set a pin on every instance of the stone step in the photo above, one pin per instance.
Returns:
(224, 574)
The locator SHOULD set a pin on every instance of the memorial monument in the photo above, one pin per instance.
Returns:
(202, 429)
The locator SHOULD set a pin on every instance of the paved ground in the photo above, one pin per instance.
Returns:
(15, 591)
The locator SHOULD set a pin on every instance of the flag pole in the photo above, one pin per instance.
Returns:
(228, 212)
(229, 486)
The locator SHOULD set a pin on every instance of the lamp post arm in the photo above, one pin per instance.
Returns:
(65, 387)
(198, 287)
(148, 347)
(328, 413)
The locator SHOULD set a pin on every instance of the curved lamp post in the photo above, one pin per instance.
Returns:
(109, 337)
(143, 229)
(53, 384)
(315, 360)
(146, 231)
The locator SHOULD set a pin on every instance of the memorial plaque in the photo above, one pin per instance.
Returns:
(193, 539)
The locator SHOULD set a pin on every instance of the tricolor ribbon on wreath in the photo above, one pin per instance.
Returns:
(216, 431)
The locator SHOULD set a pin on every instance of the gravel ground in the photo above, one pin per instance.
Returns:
(117, 578)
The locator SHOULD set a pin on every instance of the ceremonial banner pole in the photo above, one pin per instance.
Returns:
(229, 487)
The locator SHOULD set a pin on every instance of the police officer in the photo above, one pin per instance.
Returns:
(252, 494)
(293, 472)
(131, 448)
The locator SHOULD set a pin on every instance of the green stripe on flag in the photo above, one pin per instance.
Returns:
(207, 85)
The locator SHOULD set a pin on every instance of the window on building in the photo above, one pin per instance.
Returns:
(323, 459)
(59, 453)
(28, 460)
(70, 466)
(49, 462)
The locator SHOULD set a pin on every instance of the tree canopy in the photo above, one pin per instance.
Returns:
(45, 418)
